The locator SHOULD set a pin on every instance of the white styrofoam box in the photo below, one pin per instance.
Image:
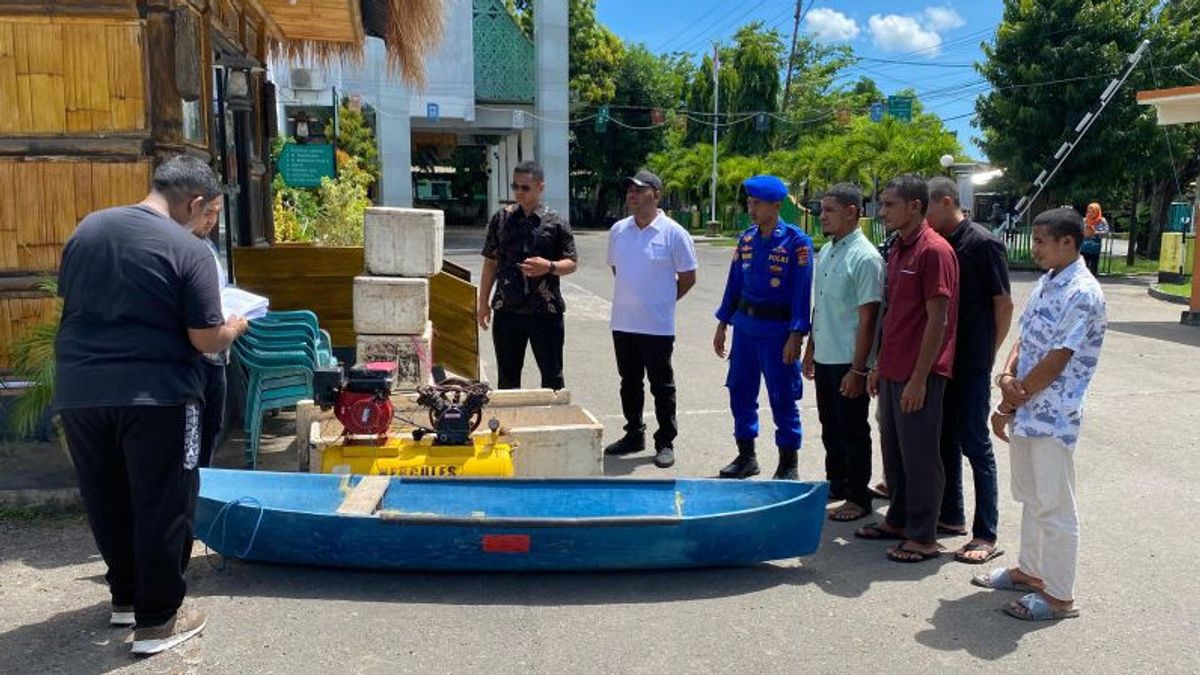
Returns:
(404, 242)
(390, 305)
(551, 441)
(413, 355)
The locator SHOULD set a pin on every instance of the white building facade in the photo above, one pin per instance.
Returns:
(488, 87)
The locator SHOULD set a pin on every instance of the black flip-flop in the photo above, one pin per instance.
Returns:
(996, 552)
(921, 556)
(880, 534)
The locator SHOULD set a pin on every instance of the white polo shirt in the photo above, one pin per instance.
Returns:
(647, 261)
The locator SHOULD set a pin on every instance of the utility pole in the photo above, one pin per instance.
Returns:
(713, 224)
(787, 82)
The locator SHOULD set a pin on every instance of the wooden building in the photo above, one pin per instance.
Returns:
(93, 92)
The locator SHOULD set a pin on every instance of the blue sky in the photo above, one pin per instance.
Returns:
(938, 39)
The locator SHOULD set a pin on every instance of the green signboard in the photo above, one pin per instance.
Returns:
(900, 107)
(304, 166)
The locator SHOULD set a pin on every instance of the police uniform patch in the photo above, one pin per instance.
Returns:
(776, 269)
(802, 255)
(775, 282)
(748, 238)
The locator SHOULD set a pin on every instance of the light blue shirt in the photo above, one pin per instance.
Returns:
(1065, 311)
(849, 275)
(219, 358)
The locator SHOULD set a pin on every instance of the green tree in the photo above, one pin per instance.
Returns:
(757, 60)
(355, 138)
(814, 102)
(1049, 64)
(647, 90)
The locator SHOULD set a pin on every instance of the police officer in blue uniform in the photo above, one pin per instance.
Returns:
(767, 300)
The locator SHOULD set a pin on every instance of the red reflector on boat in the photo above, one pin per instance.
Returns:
(506, 543)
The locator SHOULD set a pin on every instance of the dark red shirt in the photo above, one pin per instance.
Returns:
(918, 270)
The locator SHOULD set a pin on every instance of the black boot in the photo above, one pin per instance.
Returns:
(787, 465)
(745, 464)
(631, 442)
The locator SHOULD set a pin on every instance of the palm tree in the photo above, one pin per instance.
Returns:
(33, 362)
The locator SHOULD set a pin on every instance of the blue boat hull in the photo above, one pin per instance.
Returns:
(510, 524)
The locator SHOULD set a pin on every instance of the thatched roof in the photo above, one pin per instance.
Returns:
(410, 29)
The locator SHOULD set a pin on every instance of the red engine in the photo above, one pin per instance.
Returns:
(360, 399)
(364, 414)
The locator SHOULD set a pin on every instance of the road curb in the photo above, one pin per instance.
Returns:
(1166, 297)
(42, 500)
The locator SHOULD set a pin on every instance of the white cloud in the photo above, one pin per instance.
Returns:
(895, 33)
(942, 19)
(830, 25)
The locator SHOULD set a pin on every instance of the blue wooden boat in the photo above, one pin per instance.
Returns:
(379, 522)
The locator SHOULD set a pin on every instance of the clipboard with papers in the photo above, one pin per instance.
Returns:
(236, 302)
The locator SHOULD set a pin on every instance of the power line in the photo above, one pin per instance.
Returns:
(921, 64)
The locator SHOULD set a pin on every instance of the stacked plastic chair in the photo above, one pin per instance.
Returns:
(277, 357)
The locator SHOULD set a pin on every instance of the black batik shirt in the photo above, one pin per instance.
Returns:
(512, 237)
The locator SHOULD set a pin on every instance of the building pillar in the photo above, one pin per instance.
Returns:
(494, 179)
(393, 128)
(527, 147)
(511, 160)
(550, 53)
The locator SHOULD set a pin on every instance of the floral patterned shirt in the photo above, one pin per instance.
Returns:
(1065, 311)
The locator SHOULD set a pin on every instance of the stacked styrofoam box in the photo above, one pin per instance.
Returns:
(403, 248)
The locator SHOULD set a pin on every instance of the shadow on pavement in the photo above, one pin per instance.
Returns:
(469, 589)
(1167, 331)
(624, 466)
(976, 625)
(79, 641)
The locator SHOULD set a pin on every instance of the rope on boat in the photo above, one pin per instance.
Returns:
(223, 519)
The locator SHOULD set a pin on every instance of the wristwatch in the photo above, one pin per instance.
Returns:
(552, 267)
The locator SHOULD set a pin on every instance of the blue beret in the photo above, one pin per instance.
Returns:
(766, 188)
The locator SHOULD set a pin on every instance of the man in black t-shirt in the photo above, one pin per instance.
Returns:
(527, 247)
(985, 310)
(140, 304)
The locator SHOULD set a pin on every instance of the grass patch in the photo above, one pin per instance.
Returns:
(45, 514)
(1117, 266)
(1182, 290)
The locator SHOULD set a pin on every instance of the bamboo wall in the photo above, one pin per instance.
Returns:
(61, 75)
(41, 203)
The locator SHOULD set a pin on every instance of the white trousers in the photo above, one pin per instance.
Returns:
(1043, 480)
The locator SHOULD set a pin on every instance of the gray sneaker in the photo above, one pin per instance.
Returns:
(187, 622)
(122, 616)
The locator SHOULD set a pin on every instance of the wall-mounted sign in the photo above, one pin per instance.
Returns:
(304, 166)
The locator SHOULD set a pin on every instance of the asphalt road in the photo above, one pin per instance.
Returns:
(844, 609)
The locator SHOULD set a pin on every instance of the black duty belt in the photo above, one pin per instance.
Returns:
(759, 311)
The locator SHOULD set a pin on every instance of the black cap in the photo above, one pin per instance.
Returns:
(644, 178)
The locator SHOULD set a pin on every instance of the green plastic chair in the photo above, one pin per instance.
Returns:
(275, 379)
(294, 320)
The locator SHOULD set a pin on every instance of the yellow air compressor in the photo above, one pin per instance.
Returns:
(404, 456)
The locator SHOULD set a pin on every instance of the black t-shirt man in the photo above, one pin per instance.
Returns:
(133, 282)
(983, 274)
